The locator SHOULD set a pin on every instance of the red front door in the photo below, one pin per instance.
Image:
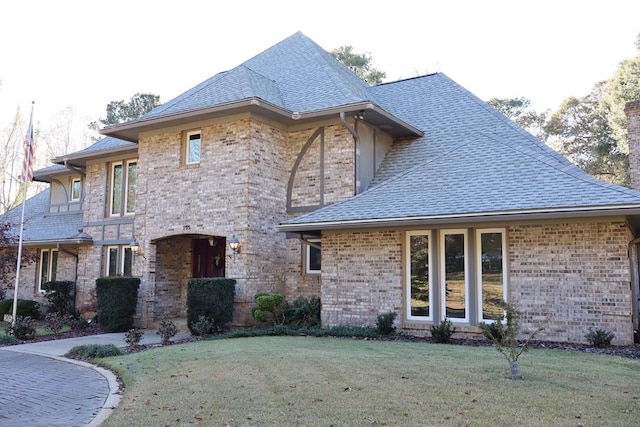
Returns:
(208, 257)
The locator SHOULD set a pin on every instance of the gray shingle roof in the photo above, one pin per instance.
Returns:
(104, 145)
(42, 226)
(472, 161)
(295, 74)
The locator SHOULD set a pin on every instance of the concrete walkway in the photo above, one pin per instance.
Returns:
(43, 388)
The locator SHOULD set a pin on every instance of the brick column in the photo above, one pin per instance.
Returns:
(632, 110)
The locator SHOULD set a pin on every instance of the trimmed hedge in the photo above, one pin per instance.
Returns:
(211, 298)
(117, 298)
(26, 308)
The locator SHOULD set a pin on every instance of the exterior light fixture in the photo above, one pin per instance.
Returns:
(135, 247)
(234, 244)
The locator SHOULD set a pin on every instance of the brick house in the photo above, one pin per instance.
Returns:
(413, 196)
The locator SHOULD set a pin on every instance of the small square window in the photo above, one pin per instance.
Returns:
(193, 147)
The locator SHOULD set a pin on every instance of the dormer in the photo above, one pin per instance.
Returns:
(67, 188)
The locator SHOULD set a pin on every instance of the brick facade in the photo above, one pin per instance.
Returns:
(579, 272)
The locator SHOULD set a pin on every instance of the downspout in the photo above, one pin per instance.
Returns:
(75, 279)
(356, 150)
(633, 259)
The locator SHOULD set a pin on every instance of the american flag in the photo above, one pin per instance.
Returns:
(29, 152)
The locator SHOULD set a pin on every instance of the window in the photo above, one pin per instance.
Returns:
(492, 274)
(471, 279)
(313, 257)
(193, 147)
(76, 189)
(119, 261)
(48, 267)
(123, 188)
(419, 293)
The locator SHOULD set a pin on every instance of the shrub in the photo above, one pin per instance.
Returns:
(55, 322)
(211, 298)
(202, 327)
(93, 351)
(26, 308)
(599, 338)
(303, 313)
(24, 328)
(117, 299)
(269, 307)
(492, 331)
(385, 323)
(167, 330)
(8, 340)
(133, 337)
(59, 295)
(77, 323)
(443, 331)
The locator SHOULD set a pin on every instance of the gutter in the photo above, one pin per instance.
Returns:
(75, 169)
(521, 215)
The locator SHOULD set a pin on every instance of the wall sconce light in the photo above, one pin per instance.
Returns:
(212, 241)
(234, 244)
(135, 248)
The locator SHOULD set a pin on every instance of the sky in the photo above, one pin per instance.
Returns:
(84, 54)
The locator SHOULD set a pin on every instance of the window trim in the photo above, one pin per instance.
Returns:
(72, 192)
(442, 283)
(307, 257)
(51, 271)
(187, 158)
(113, 187)
(121, 252)
(429, 235)
(478, 255)
(125, 188)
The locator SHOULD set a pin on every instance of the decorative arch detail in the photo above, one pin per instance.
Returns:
(318, 135)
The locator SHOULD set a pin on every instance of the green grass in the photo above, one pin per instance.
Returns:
(289, 381)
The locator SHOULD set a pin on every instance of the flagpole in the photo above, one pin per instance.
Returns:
(25, 179)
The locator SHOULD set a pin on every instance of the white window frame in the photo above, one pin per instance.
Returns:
(115, 185)
(51, 271)
(429, 235)
(442, 284)
(72, 192)
(187, 155)
(479, 233)
(307, 257)
(125, 188)
(121, 251)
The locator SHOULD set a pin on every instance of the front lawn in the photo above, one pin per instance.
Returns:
(303, 381)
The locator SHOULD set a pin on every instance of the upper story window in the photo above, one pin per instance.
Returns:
(76, 189)
(48, 267)
(123, 188)
(192, 145)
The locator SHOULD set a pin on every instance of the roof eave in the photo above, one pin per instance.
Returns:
(51, 242)
(80, 160)
(480, 217)
(373, 114)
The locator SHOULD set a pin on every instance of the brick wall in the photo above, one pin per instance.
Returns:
(361, 276)
(578, 272)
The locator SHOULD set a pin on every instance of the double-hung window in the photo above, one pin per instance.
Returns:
(123, 188)
(119, 261)
(76, 189)
(48, 267)
(192, 147)
(442, 281)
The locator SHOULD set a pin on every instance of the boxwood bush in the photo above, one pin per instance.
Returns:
(26, 308)
(117, 298)
(211, 298)
(59, 294)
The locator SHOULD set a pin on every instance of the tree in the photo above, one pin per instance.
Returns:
(585, 137)
(120, 111)
(359, 63)
(9, 256)
(11, 163)
(623, 87)
(519, 110)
